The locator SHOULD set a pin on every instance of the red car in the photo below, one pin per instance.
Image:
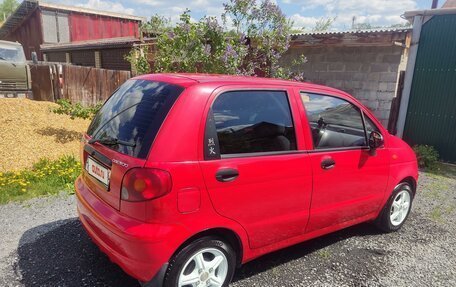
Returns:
(188, 176)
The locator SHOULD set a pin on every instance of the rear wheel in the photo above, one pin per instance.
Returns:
(397, 209)
(205, 262)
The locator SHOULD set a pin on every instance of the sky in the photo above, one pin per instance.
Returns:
(304, 13)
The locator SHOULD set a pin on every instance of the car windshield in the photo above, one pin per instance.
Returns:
(132, 116)
(11, 53)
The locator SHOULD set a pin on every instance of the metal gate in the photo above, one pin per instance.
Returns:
(431, 114)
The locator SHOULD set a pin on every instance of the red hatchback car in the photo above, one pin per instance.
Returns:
(187, 176)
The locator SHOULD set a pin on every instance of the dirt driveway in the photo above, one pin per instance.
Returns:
(43, 244)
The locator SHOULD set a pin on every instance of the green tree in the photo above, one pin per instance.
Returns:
(266, 30)
(250, 39)
(138, 59)
(156, 26)
(201, 46)
(6, 8)
(400, 25)
(324, 24)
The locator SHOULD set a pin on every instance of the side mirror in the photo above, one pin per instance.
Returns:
(375, 140)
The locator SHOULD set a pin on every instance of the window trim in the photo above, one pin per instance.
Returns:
(275, 153)
(362, 112)
(250, 154)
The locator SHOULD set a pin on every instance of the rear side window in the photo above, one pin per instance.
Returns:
(334, 122)
(250, 122)
(132, 116)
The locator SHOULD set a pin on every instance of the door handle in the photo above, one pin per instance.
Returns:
(328, 163)
(227, 174)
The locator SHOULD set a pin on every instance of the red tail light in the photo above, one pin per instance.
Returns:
(140, 184)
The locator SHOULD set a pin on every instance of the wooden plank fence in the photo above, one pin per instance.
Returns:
(42, 82)
(85, 85)
(90, 86)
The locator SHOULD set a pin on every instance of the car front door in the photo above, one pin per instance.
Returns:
(349, 179)
(253, 172)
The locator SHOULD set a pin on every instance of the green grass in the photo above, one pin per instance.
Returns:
(47, 177)
(324, 254)
(442, 170)
(436, 214)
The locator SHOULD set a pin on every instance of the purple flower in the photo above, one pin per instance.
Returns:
(213, 24)
(229, 53)
(185, 27)
(207, 50)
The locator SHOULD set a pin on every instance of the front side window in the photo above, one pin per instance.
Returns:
(334, 122)
(370, 126)
(250, 122)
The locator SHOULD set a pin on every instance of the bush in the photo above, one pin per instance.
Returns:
(426, 155)
(250, 40)
(76, 110)
(138, 58)
(47, 177)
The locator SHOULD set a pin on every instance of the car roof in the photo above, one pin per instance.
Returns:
(189, 79)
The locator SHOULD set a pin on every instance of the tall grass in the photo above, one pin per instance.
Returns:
(47, 177)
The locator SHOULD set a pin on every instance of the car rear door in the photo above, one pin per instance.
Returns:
(349, 179)
(252, 168)
(121, 134)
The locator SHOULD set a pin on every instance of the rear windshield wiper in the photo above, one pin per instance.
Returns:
(111, 141)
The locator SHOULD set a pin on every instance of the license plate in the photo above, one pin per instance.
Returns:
(98, 171)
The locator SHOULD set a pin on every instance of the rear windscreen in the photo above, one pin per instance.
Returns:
(133, 115)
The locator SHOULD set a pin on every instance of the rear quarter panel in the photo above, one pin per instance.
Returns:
(176, 150)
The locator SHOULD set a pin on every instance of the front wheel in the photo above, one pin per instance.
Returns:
(397, 209)
(206, 262)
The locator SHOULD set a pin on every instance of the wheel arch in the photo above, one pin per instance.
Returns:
(225, 234)
(412, 182)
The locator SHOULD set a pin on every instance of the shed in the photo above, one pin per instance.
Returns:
(364, 63)
(35, 24)
(428, 107)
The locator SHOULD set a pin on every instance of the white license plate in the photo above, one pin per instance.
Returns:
(98, 171)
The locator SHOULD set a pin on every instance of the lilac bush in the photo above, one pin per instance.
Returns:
(250, 40)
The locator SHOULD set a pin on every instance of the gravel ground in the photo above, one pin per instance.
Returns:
(30, 131)
(43, 244)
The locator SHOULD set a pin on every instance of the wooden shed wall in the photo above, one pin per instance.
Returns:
(85, 27)
(30, 35)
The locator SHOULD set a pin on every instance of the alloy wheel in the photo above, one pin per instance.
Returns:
(400, 207)
(206, 268)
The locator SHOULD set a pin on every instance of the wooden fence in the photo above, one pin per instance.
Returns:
(85, 85)
(89, 86)
(45, 84)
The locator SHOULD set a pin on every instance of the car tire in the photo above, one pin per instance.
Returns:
(396, 210)
(207, 261)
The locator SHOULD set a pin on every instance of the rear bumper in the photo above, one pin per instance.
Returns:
(140, 249)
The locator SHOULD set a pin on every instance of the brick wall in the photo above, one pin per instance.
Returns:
(368, 73)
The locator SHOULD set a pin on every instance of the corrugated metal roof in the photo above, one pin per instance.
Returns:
(23, 11)
(26, 8)
(99, 43)
(364, 31)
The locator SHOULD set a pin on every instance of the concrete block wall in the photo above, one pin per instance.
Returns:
(368, 73)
